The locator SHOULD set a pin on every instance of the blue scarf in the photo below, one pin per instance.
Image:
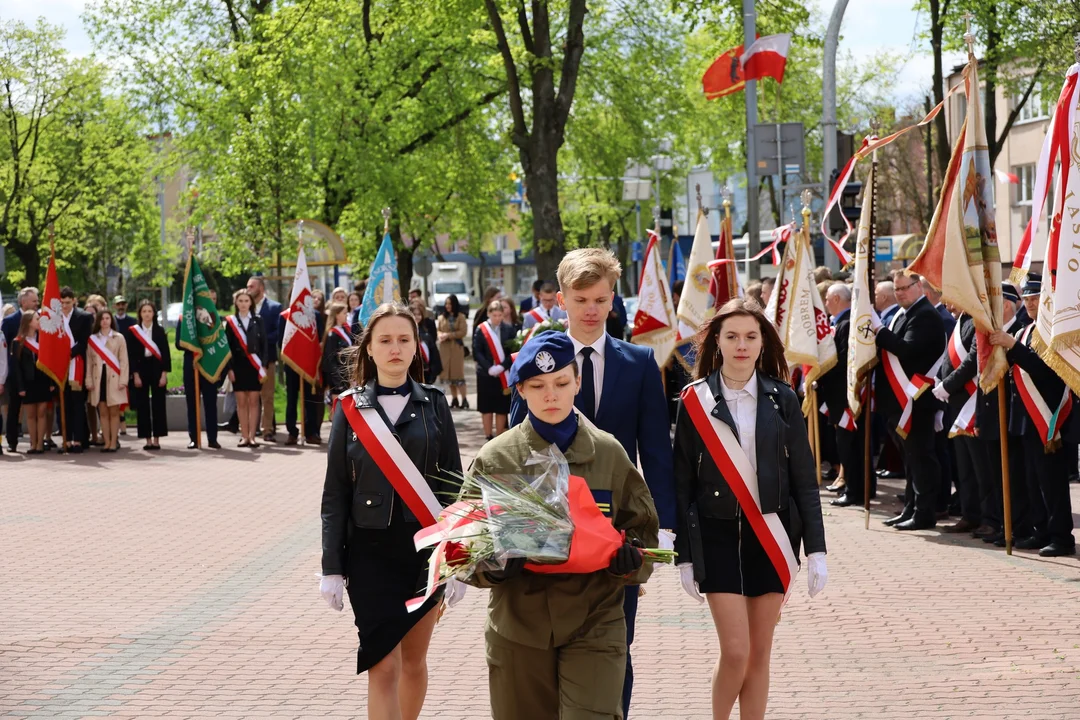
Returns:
(561, 435)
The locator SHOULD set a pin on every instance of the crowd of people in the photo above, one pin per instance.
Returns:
(393, 460)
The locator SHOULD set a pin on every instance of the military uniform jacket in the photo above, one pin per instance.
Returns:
(541, 610)
(1048, 384)
(953, 379)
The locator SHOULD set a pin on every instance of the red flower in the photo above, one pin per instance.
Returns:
(456, 554)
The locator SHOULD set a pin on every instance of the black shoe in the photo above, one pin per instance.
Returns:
(914, 524)
(845, 501)
(191, 445)
(901, 497)
(47, 445)
(993, 539)
(902, 517)
(215, 445)
(1031, 543)
(961, 527)
(464, 404)
(889, 474)
(454, 405)
(1057, 550)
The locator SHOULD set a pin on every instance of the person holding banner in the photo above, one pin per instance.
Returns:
(492, 366)
(107, 375)
(79, 325)
(247, 341)
(335, 346)
(148, 355)
(429, 351)
(747, 495)
(32, 386)
(393, 450)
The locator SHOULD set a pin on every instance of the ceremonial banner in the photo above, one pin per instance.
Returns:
(961, 255)
(200, 329)
(676, 265)
(724, 76)
(724, 284)
(383, 285)
(55, 339)
(694, 301)
(300, 342)
(862, 349)
(797, 311)
(1057, 327)
(766, 57)
(654, 322)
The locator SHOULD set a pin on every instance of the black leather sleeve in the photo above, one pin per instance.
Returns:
(802, 477)
(337, 496)
(686, 480)
(449, 452)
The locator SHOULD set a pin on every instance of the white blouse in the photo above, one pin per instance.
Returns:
(392, 405)
(742, 404)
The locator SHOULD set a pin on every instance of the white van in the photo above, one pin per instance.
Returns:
(446, 279)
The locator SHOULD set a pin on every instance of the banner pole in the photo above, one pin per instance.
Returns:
(815, 419)
(63, 424)
(1006, 496)
(303, 401)
(871, 262)
(867, 469)
(198, 403)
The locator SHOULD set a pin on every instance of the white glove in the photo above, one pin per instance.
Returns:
(940, 392)
(455, 590)
(495, 370)
(686, 576)
(332, 588)
(939, 421)
(817, 573)
(667, 540)
(875, 320)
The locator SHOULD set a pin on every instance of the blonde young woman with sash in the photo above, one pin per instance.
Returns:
(746, 489)
(390, 468)
(247, 341)
(107, 375)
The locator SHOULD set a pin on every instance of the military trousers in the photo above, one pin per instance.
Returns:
(581, 680)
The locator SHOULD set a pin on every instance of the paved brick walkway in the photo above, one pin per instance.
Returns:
(183, 584)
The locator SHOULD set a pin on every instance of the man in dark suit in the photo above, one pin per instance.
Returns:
(533, 300)
(270, 312)
(80, 324)
(621, 393)
(616, 322)
(917, 340)
(124, 322)
(28, 300)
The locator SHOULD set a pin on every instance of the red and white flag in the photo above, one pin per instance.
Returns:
(654, 322)
(300, 342)
(767, 57)
(1006, 177)
(725, 277)
(55, 338)
(724, 76)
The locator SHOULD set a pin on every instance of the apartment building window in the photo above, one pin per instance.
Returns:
(1025, 189)
(1037, 106)
(500, 243)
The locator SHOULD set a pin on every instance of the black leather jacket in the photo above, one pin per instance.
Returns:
(357, 494)
(785, 470)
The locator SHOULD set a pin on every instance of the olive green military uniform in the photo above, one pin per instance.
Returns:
(556, 644)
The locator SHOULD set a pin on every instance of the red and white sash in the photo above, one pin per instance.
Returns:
(424, 353)
(964, 424)
(536, 315)
(77, 366)
(495, 346)
(242, 337)
(735, 467)
(1048, 424)
(32, 344)
(907, 390)
(343, 334)
(146, 338)
(105, 353)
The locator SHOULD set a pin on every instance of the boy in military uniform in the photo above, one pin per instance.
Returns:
(556, 643)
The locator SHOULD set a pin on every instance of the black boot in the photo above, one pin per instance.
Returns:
(454, 404)
(464, 403)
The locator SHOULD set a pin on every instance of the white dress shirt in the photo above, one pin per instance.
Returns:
(392, 405)
(3, 360)
(742, 404)
(257, 309)
(597, 361)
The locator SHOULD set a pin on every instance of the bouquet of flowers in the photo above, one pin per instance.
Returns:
(550, 519)
(548, 325)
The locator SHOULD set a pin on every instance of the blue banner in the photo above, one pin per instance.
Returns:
(383, 285)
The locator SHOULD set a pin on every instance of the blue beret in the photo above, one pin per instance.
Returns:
(545, 353)
(1008, 291)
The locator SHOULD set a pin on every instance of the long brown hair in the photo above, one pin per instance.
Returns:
(112, 321)
(362, 366)
(771, 362)
(331, 317)
(24, 327)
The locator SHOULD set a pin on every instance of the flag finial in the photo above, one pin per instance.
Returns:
(386, 219)
(969, 37)
(725, 192)
(704, 210)
(806, 197)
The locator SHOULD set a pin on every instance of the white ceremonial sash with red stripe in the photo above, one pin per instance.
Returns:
(495, 346)
(424, 352)
(147, 339)
(343, 334)
(455, 522)
(964, 424)
(907, 390)
(1048, 424)
(253, 358)
(33, 345)
(399, 469)
(536, 315)
(105, 353)
(735, 467)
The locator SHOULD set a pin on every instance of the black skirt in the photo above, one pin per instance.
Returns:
(735, 561)
(385, 570)
(247, 377)
(490, 395)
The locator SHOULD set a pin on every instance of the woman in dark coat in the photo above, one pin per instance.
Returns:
(149, 372)
(737, 546)
(368, 528)
(34, 388)
(429, 349)
(337, 341)
(247, 342)
(492, 389)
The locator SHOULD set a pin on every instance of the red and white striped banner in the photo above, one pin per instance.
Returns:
(907, 390)
(735, 467)
(253, 358)
(98, 344)
(495, 346)
(147, 339)
(342, 333)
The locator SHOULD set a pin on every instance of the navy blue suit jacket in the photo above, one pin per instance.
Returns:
(633, 409)
(946, 318)
(10, 326)
(271, 314)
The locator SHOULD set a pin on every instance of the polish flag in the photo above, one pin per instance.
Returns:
(767, 57)
(1006, 177)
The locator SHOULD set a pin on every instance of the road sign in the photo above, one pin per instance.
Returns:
(636, 190)
(637, 252)
(883, 249)
(779, 143)
(422, 265)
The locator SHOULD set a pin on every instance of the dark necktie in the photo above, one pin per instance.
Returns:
(587, 395)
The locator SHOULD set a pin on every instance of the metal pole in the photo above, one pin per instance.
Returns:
(749, 33)
(161, 203)
(828, 120)
(780, 170)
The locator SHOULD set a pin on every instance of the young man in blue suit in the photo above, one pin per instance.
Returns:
(621, 393)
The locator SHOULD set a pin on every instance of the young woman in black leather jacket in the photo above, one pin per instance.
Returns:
(742, 551)
(368, 529)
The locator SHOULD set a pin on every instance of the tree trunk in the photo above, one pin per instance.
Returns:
(542, 180)
(937, 26)
(990, 115)
(31, 261)
(404, 259)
